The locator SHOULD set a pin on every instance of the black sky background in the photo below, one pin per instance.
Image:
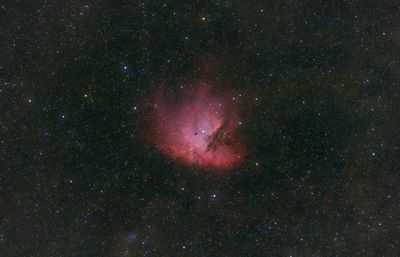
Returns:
(321, 82)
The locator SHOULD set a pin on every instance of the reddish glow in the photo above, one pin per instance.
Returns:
(197, 127)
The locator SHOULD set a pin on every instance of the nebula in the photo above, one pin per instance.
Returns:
(197, 127)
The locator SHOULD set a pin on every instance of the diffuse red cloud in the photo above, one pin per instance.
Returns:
(197, 127)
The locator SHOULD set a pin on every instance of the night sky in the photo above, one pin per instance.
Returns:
(205, 128)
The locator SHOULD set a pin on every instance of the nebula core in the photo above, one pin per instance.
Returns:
(197, 127)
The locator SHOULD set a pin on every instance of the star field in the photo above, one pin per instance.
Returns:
(316, 85)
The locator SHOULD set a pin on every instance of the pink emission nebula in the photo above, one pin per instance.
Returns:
(198, 127)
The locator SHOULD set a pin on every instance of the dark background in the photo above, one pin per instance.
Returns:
(323, 83)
